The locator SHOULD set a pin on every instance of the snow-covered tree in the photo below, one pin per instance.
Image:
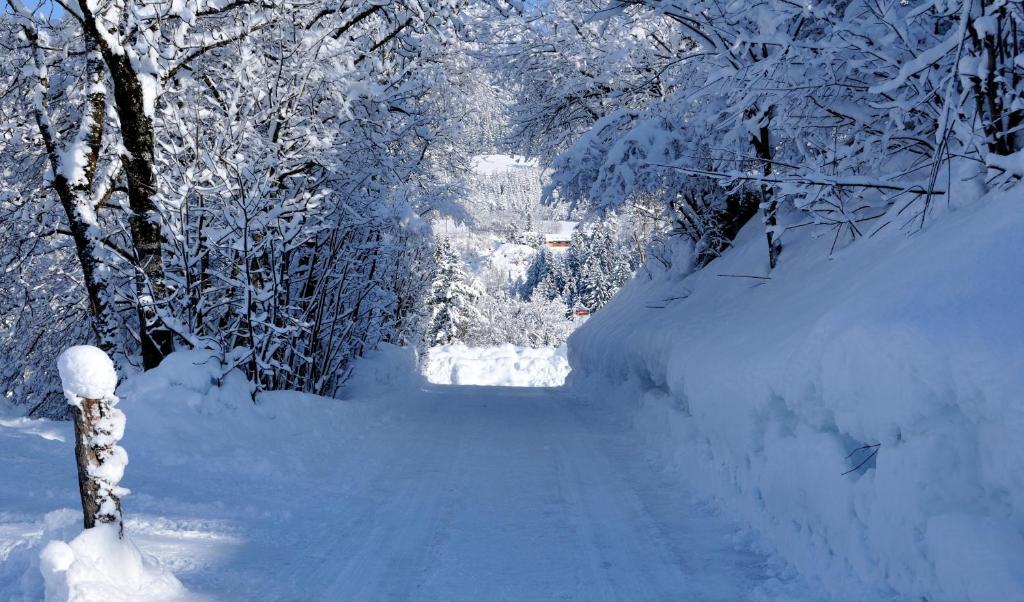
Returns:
(505, 319)
(707, 107)
(603, 263)
(452, 298)
(237, 178)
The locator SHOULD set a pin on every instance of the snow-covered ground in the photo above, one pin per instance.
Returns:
(421, 492)
(502, 366)
(901, 354)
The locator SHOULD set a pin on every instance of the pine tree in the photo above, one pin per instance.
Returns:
(597, 254)
(556, 281)
(452, 298)
(600, 263)
(535, 274)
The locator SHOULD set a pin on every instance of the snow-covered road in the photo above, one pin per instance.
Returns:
(455, 493)
(486, 493)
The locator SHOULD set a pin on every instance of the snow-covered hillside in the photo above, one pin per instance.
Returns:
(863, 411)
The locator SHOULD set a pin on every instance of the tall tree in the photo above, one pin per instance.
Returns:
(452, 298)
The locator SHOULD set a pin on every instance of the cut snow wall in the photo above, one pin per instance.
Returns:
(756, 392)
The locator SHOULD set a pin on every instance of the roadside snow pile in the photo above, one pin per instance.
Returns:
(503, 366)
(220, 486)
(388, 366)
(766, 393)
(98, 566)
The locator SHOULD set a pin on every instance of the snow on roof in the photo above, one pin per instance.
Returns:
(557, 230)
(489, 165)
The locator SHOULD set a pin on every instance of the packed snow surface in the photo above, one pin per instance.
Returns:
(424, 493)
(86, 373)
(863, 410)
(502, 366)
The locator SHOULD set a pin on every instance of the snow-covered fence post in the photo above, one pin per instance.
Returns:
(88, 378)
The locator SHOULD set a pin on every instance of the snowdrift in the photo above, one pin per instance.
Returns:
(97, 566)
(502, 366)
(758, 391)
(215, 480)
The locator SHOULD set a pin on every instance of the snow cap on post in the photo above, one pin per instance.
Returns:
(86, 373)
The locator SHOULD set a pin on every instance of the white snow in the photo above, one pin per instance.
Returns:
(98, 566)
(557, 230)
(748, 394)
(503, 366)
(489, 165)
(756, 391)
(504, 263)
(388, 366)
(429, 493)
(86, 373)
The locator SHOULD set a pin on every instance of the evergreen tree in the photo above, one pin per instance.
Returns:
(599, 255)
(452, 298)
(535, 274)
(557, 282)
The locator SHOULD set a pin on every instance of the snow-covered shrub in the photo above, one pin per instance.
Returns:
(254, 198)
(504, 319)
(809, 116)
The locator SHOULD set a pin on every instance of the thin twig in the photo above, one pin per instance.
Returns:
(743, 276)
(875, 447)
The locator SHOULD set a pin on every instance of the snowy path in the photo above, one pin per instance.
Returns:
(455, 493)
(514, 494)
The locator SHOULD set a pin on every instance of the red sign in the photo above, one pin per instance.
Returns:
(582, 312)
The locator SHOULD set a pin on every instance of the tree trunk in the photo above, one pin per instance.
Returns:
(100, 503)
(140, 171)
(138, 139)
(769, 203)
(75, 197)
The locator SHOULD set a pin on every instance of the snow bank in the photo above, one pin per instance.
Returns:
(98, 566)
(221, 484)
(759, 392)
(504, 366)
(388, 366)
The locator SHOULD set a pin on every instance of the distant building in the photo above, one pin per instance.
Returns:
(557, 234)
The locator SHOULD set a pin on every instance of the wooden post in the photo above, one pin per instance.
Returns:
(100, 502)
(88, 378)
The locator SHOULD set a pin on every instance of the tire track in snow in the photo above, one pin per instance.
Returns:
(502, 494)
